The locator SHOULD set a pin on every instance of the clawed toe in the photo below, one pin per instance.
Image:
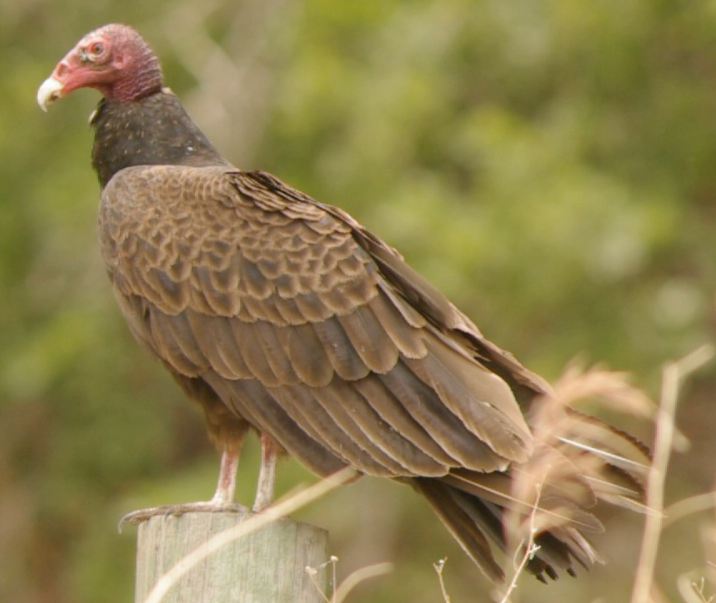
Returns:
(141, 515)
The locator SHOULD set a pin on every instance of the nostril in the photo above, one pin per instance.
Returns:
(61, 69)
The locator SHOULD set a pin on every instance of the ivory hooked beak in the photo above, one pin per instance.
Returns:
(49, 91)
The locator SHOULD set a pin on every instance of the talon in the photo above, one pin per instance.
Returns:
(136, 517)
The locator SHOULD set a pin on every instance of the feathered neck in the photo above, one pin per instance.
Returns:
(154, 130)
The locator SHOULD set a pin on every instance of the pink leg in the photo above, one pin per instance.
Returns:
(267, 472)
(222, 501)
(226, 484)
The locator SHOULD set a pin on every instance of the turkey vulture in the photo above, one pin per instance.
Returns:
(282, 314)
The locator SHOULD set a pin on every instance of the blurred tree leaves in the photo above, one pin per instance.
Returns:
(549, 165)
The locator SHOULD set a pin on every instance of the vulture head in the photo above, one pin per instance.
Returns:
(113, 59)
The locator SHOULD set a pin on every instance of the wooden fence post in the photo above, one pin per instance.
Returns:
(265, 566)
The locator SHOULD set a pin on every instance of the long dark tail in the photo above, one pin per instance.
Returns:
(554, 493)
(475, 522)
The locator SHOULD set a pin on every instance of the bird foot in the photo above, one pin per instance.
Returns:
(211, 506)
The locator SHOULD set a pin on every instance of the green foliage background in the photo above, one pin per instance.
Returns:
(549, 164)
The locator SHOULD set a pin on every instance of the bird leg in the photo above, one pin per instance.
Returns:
(222, 501)
(226, 484)
(267, 473)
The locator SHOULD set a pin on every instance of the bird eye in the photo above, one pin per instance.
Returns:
(97, 48)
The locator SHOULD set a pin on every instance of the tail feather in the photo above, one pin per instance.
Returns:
(557, 505)
(468, 528)
(472, 521)
(552, 493)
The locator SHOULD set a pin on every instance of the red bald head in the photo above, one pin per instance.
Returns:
(113, 59)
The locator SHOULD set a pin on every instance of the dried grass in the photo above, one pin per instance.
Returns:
(673, 377)
(340, 592)
(551, 424)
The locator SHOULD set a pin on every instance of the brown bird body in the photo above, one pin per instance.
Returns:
(279, 313)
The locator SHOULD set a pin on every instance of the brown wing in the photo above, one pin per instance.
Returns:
(272, 300)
